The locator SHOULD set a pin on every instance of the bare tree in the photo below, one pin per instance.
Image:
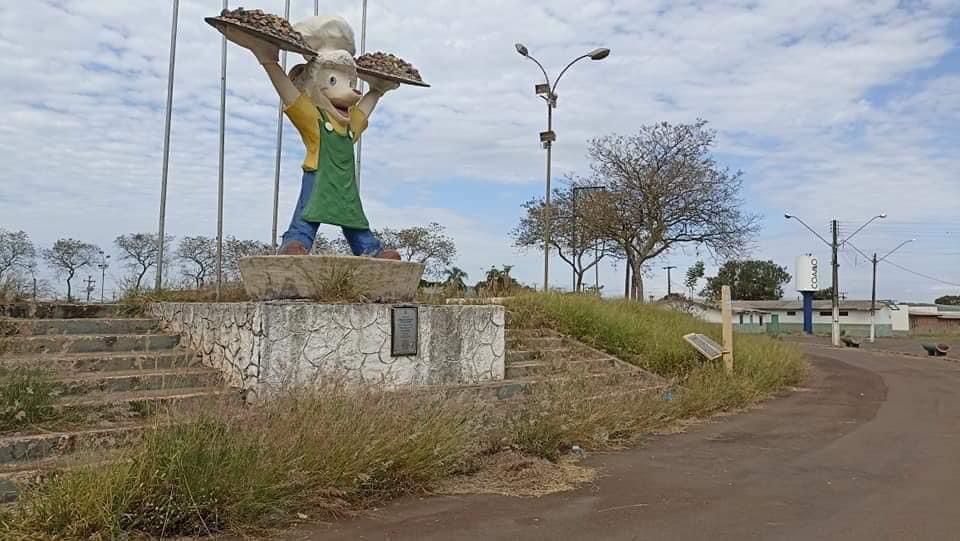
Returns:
(575, 234)
(16, 251)
(665, 190)
(428, 244)
(324, 246)
(139, 252)
(235, 249)
(68, 256)
(198, 258)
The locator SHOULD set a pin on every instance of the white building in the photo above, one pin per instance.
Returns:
(786, 316)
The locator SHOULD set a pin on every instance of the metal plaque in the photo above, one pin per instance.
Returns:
(705, 345)
(404, 331)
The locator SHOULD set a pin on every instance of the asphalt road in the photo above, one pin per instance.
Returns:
(869, 449)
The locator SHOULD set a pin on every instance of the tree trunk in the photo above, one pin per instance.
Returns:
(69, 291)
(636, 282)
(140, 279)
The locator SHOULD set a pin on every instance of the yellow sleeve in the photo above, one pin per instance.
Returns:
(305, 118)
(358, 122)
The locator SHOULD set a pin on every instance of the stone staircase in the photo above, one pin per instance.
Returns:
(111, 375)
(535, 356)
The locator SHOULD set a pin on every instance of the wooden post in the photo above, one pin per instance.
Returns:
(727, 322)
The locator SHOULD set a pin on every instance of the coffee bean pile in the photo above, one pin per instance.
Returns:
(273, 25)
(388, 64)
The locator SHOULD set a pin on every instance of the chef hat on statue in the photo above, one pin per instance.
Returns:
(333, 40)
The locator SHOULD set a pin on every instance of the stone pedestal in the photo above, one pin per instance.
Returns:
(266, 347)
(330, 278)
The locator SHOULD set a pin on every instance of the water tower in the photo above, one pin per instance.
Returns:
(807, 283)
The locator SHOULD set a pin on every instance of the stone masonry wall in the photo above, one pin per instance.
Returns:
(264, 347)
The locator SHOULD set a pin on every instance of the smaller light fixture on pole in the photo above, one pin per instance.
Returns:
(548, 91)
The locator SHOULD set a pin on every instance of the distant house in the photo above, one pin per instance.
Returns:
(786, 316)
(933, 318)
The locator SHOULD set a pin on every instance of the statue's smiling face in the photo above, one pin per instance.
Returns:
(339, 86)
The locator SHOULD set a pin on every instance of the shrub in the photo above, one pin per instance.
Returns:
(26, 397)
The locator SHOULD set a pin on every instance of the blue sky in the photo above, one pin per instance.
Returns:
(833, 109)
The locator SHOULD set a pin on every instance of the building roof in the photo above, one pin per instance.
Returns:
(797, 305)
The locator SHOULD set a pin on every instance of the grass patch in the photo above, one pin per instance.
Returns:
(652, 337)
(136, 304)
(330, 451)
(27, 395)
(242, 470)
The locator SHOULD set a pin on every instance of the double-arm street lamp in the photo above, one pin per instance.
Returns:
(548, 91)
(835, 245)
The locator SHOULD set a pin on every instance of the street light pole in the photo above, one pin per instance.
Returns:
(548, 92)
(669, 288)
(103, 272)
(835, 245)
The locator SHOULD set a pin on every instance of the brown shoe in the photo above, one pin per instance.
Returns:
(293, 248)
(389, 254)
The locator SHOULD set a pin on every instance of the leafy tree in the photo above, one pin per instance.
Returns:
(749, 280)
(824, 294)
(139, 252)
(454, 278)
(579, 242)
(235, 249)
(498, 282)
(428, 244)
(665, 190)
(949, 300)
(67, 256)
(198, 258)
(16, 252)
(694, 274)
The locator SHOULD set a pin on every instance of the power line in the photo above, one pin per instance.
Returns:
(920, 274)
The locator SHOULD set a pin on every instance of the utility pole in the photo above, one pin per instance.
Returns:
(835, 327)
(103, 272)
(668, 269)
(90, 286)
(873, 302)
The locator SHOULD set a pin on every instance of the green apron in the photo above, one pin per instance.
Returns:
(335, 198)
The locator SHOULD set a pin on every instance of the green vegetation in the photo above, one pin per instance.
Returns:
(329, 451)
(26, 397)
(652, 338)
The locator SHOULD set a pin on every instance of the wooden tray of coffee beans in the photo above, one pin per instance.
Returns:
(389, 67)
(271, 28)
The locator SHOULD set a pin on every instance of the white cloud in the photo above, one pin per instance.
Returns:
(788, 84)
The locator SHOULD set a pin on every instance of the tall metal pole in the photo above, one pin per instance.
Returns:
(166, 144)
(669, 285)
(835, 327)
(276, 172)
(363, 49)
(873, 301)
(316, 7)
(223, 120)
(546, 216)
(573, 255)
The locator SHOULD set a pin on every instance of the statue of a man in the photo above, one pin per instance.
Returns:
(321, 100)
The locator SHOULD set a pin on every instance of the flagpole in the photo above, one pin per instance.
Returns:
(223, 125)
(276, 172)
(363, 49)
(166, 144)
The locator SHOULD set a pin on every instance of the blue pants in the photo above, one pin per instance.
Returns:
(362, 241)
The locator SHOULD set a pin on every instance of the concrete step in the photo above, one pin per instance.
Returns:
(35, 327)
(15, 478)
(522, 355)
(536, 342)
(103, 361)
(549, 367)
(520, 334)
(134, 404)
(46, 310)
(136, 380)
(28, 447)
(87, 343)
(515, 388)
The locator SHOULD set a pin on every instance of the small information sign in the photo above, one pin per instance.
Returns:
(705, 345)
(404, 331)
